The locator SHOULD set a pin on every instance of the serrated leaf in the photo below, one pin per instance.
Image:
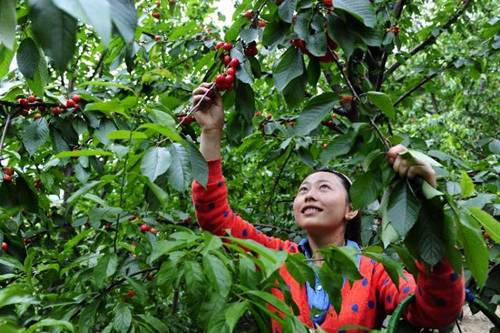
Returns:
(363, 10)
(155, 162)
(286, 10)
(489, 223)
(288, 68)
(218, 274)
(35, 135)
(314, 111)
(49, 322)
(124, 17)
(178, 172)
(476, 252)
(8, 23)
(57, 38)
(28, 57)
(416, 157)
(365, 190)
(122, 318)
(199, 166)
(403, 208)
(383, 102)
(234, 312)
(95, 13)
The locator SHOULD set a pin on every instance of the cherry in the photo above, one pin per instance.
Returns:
(5, 246)
(8, 171)
(298, 43)
(334, 116)
(7, 178)
(228, 46)
(56, 110)
(219, 45)
(231, 71)
(22, 101)
(261, 23)
(158, 3)
(346, 99)
(226, 60)
(269, 117)
(144, 227)
(234, 62)
(70, 103)
(76, 98)
(229, 79)
(220, 80)
(251, 49)
(153, 230)
(328, 3)
(31, 99)
(38, 184)
(248, 14)
(258, 114)
(156, 15)
(131, 293)
(157, 38)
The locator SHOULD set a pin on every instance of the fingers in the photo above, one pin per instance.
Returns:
(400, 166)
(394, 152)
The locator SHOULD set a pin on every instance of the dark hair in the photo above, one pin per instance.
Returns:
(353, 227)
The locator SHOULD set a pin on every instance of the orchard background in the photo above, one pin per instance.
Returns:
(96, 222)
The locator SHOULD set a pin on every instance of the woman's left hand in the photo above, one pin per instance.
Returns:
(410, 169)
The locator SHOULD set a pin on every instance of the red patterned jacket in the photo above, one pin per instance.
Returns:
(439, 295)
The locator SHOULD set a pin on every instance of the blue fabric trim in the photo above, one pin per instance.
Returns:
(317, 298)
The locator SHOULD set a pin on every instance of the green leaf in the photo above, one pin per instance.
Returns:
(383, 102)
(218, 274)
(57, 38)
(365, 190)
(163, 247)
(403, 208)
(6, 57)
(126, 135)
(316, 43)
(167, 132)
(234, 312)
(391, 266)
(466, 185)
(488, 222)
(416, 157)
(16, 294)
(122, 318)
(199, 166)
(274, 32)
(11, 262)
(333, 287)
(83, 190)
(271, 299)
(106, 267)
(339, 31)
(159, 193)
(8, 23)
(49, 322)
(299, 269)
(155, 162)
(245, 103)
(124, 18)
(95, 13)
(287, 9)
(289, 67)
(340, 145)
(363, 10)
(429, 191)
(178, 172)
(314, 111)
(28, 57)
(84, 152)
(35, 135)
(476, 252)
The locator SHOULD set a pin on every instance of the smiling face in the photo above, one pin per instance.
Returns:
(322, 205)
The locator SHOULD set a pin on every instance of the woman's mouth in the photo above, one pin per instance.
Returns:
(310, 210)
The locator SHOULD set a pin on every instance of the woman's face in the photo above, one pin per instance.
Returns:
(321, 204)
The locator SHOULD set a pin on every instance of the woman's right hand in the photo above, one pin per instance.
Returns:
(210, 113)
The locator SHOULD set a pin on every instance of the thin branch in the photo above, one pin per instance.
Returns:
(380, 135)
(271, 198)
(420, 84)
(432, 38)
(349, 83)
(193, 108)
(4, 132)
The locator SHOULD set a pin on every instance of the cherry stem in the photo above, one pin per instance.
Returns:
(4, 132)
(193, 108)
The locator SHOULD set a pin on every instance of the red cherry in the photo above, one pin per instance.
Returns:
(156, 15)
(298, 43)
(76, 98)
(31, 99)
(22, 101)
(234, 63)
(231, 71)
(56, 110)
(8, 171)
(229, 79)
(261, 23)
(158, 38)
(5, 246)
(7, 178)
(219, 45)
(228, 46)
(248, 14)
(144, 227)
(70, 103)
(328, 3)
(131, 293)
(226, 60)
(220, 80)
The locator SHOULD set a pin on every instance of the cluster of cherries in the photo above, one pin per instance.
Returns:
(8, 173)
(146, 228)
(225, 81)
(32, 102)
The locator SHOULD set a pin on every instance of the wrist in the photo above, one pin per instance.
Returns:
(212, 132)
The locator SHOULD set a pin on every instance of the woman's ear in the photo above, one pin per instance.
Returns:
(350, 214)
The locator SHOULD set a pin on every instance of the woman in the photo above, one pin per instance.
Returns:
(322, 208)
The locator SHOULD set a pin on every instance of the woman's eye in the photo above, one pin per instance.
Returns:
(324, 186)
(303, 189)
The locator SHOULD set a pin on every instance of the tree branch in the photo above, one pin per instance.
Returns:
(420, 84)
(431, 38)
